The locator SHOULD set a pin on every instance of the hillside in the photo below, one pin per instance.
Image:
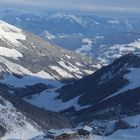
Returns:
(108, 88)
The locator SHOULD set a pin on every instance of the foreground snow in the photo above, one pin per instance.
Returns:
(16, 124)
(133, 134)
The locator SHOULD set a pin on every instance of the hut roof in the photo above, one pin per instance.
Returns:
(86, 128)
(56, 132)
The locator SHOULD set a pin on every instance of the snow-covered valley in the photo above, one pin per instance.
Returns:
(55, 82)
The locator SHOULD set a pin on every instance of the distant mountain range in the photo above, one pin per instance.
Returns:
(98, 37)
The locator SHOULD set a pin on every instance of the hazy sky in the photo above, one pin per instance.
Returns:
(88, 5)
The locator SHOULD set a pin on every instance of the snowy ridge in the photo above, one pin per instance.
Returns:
(28, 49)
(70, 17)
(11, 34)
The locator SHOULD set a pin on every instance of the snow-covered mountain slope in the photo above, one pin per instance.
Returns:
(15, 123)
(19, 120)
(24, 53)
(118, 83)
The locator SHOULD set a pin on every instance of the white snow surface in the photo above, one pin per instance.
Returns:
(72, 69)
(12, 119)
(11, 34)
(61, 72)
(129, 134)
(117, 50)
(88, 71)
(135, 44)
(29, 78)
(69, 68)
(11, 53)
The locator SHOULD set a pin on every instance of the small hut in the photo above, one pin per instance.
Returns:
(84, 130)
(63, 134)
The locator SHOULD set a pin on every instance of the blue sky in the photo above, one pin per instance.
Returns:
(132, 6)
